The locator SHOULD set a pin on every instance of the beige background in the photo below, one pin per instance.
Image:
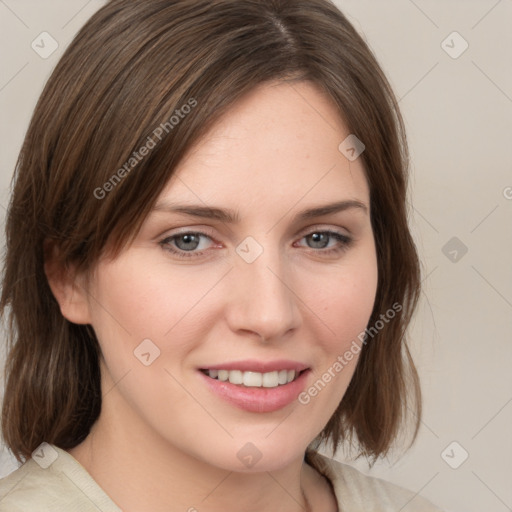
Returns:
(459, 119)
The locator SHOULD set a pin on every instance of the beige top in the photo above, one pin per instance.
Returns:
(58, 483)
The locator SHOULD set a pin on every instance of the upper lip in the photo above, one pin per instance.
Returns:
(258, 366)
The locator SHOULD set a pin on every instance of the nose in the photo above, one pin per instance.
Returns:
(263, 299)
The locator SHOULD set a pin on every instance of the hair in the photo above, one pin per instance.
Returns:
(134, 65)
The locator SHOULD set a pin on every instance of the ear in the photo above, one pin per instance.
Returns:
(68, 288)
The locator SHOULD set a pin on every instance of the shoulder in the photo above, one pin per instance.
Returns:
(56, 483)
(356, 491)
(30, 488)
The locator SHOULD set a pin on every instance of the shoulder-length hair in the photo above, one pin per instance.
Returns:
(134, 66)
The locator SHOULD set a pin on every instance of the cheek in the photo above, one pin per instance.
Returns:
(135, 299)
(345, 300)
(345, 305)
(350, 306)
(125, 305)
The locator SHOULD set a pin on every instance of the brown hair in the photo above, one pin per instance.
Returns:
(127, 72)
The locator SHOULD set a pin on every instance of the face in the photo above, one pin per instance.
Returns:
(262, 288)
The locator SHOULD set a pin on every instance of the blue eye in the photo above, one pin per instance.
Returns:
(193, 244)
(322, 240)
(184, 245)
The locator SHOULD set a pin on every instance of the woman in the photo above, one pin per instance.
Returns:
(209, 270)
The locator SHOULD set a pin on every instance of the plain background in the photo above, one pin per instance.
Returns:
(458, 111)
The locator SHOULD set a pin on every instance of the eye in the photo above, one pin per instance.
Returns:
(186, 245)
(327, 242)
(193, 244)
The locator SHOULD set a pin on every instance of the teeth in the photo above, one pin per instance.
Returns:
(254, 379)
(271, 380)
(235, 377)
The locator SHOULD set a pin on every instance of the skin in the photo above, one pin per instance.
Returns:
(161, 429)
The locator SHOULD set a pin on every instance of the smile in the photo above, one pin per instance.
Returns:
(275, 386)
(254, 379)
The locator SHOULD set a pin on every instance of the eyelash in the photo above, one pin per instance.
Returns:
(344, 241)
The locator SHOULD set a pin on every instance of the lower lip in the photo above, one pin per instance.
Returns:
(258, 399)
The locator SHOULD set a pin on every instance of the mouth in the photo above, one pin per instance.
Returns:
(257, 387)
(250, 379)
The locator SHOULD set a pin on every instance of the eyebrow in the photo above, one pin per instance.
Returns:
(232, 217)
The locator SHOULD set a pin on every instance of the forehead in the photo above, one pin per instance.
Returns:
(276, 146)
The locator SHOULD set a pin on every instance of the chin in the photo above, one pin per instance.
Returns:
(265, 453)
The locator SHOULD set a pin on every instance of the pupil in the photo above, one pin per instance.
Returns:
(320, 240)
(190, 242)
